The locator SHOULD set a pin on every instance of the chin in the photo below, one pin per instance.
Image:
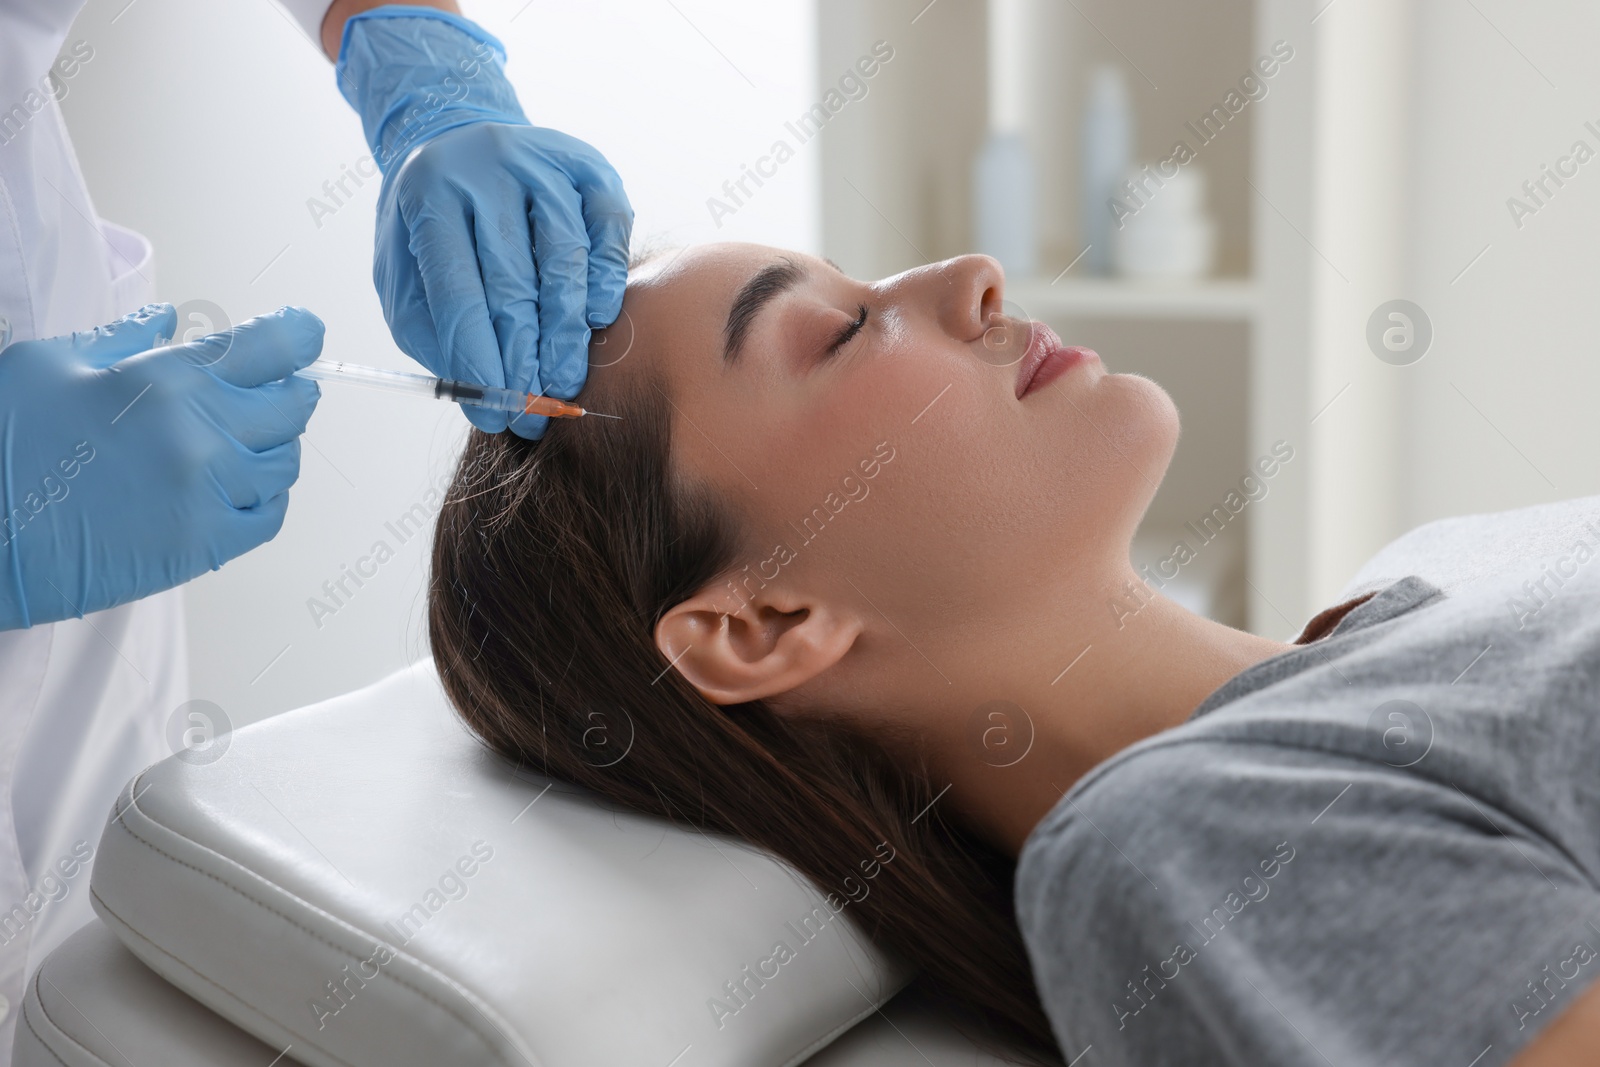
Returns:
(1137, 414)
(1141, 420)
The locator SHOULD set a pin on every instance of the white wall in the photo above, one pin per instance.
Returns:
(1363, 221)
(1430, 116)
(1502, 410)
(207, 126)
(1388, 162)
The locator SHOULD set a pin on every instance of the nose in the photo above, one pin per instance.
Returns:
(961, 294)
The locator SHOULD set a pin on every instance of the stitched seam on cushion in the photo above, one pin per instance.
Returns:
(29, 1024)
(43, 1010)
(288, 919)
(228, 994)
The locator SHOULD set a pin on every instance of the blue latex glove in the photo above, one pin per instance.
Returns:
(499, 244)
(126, 470)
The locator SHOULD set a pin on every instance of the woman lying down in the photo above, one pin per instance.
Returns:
(847, 531)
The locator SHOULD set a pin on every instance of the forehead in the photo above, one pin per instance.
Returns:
(675, 309)
(726, 262)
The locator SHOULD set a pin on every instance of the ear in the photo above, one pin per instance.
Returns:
(754, 649)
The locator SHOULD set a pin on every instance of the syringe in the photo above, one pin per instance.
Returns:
(483, 396)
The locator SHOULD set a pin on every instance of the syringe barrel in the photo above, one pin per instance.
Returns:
(483, 396)
(390, 381)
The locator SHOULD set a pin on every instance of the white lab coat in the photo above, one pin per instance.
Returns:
(83, 703)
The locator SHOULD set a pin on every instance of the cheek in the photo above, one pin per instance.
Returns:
(847, 473)
(977, 487)
(801, 467)
(931, 451)
(844, 419)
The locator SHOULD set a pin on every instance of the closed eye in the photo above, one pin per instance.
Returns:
(848, 334)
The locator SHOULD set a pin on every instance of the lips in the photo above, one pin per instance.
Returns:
(1047, 359)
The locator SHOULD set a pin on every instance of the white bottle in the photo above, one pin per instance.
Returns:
(1105, 153)
(1005, 223)
(1169, 234)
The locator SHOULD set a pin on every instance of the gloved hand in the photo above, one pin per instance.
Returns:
(125, 470)
(499, 244)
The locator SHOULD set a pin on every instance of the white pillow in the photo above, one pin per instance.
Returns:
(362, 880)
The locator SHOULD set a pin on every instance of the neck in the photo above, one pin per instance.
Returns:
(1085, 686)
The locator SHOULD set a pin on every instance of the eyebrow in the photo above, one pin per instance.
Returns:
(764, 286)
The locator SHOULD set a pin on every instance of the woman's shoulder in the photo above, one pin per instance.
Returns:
(1161, 906)
(1458, 551)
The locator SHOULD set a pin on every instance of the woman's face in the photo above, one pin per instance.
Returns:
(871, 438)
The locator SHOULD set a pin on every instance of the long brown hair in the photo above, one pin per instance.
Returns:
(553, 561)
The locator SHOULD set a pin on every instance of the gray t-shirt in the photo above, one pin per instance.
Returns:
(1380, 847)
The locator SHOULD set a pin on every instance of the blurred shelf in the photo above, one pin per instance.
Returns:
(1209, 300)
